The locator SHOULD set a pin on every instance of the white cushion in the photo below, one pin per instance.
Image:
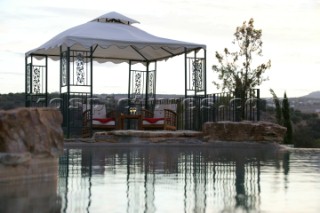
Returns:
(99, 111)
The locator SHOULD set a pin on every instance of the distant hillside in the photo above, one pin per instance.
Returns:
(307, 104)
(315, 94)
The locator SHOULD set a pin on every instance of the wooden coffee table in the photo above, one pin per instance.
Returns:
(124, 117)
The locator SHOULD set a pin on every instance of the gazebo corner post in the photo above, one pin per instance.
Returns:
(60, 77)
(129, 85)
(91, 86)
(91, 71)
(185, 73)
(196, 115)
(195, 79)
(205, 71)
(26, 82)
(46, 80)
(147, 86)
(155, 82)
(184, 112)
(66, 105)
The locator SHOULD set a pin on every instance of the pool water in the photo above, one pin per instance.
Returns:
(167, 178)
(171, 178)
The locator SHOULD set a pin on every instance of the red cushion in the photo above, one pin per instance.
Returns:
(103, 120)
(153, 120)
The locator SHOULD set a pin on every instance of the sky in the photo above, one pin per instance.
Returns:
(290, 35)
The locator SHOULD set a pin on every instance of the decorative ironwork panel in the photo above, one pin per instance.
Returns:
(151, 85)
(80, 69)
(142, 83)
(36, 85)
(35, 81)
(137, 83)
(64, 62)
(197, 78)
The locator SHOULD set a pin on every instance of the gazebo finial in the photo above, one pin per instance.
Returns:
(115, 17)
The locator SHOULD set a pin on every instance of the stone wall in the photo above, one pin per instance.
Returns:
(243, 131)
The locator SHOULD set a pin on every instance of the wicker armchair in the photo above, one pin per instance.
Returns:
(166, 122)
(108, 122)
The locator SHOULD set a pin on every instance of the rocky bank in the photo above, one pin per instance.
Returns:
(31, 137)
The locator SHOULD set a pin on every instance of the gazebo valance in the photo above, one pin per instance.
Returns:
(113, 38)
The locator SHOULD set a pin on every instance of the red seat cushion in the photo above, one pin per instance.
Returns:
(103, 120)
(153, 120)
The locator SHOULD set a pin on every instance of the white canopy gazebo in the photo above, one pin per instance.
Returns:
(109, 38)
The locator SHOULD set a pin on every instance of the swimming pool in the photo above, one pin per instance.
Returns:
(178, 178)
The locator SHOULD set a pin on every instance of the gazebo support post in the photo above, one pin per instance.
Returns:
(26, 82)
(155, 81)
(205, 72)
(66, 105)
(60, 82)
(46, 80)
(185, 73)
(129, 83)
(195, 79)
(146, 105)
(91, 84)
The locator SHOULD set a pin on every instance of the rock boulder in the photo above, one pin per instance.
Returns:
(243, 131)
(31, 130)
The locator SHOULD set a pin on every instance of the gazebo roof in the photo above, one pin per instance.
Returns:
(113, 38)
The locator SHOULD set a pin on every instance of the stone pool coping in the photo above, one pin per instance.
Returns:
(212, 132)
(140, 136)
(162, 138)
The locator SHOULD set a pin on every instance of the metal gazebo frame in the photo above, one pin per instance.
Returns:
(76, 55)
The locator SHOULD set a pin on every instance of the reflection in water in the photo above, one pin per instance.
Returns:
(31, 187)
(166, 178)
